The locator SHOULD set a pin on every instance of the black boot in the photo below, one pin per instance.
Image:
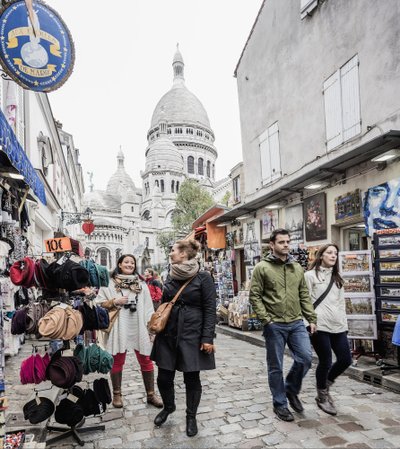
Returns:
(192, 403)
(168, 397)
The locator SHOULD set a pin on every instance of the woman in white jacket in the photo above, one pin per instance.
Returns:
(129, 294)
(331, 323)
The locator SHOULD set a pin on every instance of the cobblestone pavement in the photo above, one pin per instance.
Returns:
(236, 410)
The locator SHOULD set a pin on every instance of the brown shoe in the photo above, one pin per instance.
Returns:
(116, 379)
(152, 398)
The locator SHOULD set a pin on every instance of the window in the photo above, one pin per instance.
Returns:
(189, 131)
(104, 256)
(269, 154)
(132, 209)
(146, 215)
(162, 185)
(190, 164)
(157, 183)
(199, 133)
(178, 130)
(213, 171)
(177, 186)
(236, 189)
(208, 168)
(172, 186)
(169, 131)
(306, 6)
(200, 166)
(342, 104)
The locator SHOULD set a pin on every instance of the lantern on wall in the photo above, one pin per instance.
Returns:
(88, 226)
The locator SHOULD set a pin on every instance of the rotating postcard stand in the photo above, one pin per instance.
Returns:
(76, 430)
(387, 287)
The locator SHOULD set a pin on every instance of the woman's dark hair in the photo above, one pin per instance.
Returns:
(335, 269)
(117, 269)
(151, 271)
(190, 247)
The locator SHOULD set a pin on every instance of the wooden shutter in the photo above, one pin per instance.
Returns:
(274, 152)
(350, 99)
(265, 158)
(333, 111)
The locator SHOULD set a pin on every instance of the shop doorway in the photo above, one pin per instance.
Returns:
(353, 237)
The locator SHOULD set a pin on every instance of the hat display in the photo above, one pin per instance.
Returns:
(68, 412)
(18, 322)
(64, 372)
(22, 272)
(33, 369)
(61, 323)
(38, 410)
(94, 359)
(103, 317)
(35, 311)
(102, 390)
(69, 275)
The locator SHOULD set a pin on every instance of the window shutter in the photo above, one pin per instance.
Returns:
(350, 99)
(306, 6)
(265, 158)
(333, 111)
(274, 151)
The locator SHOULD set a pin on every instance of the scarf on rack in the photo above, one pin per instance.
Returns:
(184, 270)
(129, 281)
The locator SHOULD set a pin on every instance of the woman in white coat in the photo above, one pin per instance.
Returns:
(128, 294)
(324, 280)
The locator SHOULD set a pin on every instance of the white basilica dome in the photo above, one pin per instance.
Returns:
(163, 155)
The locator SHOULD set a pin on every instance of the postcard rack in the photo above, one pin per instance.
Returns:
(387, 289)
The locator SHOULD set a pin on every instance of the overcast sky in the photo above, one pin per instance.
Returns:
(124, 51)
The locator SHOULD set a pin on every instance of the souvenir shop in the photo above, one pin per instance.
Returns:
(52, 302)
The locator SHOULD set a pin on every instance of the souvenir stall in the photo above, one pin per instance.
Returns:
(63, 319)
(387, 288)
(356, 270)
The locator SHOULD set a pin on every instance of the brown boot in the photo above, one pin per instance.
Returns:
(152, 398)
(324, 403)
(116, 379)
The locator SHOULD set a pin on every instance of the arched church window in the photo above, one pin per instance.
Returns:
(157, 183)
(213, 171)
(146, 215)
(162, 185)
(177, 186)
(118, 254)
(200, 167)
(169, 131)
(208, 169)
(172, 186)
(190, 164)
(104, 255)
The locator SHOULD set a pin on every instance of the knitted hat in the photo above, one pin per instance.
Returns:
(68, 412)
(18, 322)
(38, 410)
(64, 372)
(22, 272)
(102, 390)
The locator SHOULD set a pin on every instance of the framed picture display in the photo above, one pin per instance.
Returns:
(388, 240)
(388, 253)
(389, 317)
(360, 305)
(358, 284)
(362, 327)
(389, 291)
(389, 278)
(315, 217)
(389, 265)
(355, 262)
(388, 304)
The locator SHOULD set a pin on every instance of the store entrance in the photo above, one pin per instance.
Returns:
(353, 237)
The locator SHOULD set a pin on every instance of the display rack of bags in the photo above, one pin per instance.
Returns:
(387, 288)
(60, 318)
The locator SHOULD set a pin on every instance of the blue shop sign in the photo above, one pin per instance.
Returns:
(19, 159)
(38, 57)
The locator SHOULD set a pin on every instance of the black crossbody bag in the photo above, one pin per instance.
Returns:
(320, 299)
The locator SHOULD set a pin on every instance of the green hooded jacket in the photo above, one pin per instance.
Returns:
(279, 292)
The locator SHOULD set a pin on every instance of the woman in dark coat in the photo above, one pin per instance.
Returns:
(186, 344)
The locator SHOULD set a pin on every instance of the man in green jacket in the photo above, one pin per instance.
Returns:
(280, 298)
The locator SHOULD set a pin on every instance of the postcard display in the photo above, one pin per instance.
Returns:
(223, 277)
(356, 270)
(387, 287)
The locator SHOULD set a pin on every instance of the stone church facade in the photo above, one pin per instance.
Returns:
(180, 146)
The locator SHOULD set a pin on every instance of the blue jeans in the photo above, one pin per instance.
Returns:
(295, 335)
(324, 343)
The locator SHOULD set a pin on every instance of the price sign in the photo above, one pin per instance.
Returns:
(58, 245)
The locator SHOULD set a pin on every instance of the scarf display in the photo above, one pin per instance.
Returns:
(128, 281)
(184, 270)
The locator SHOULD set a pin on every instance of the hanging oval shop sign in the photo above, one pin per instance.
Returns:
(36, 48)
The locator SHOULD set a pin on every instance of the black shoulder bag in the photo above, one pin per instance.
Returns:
(320, 299)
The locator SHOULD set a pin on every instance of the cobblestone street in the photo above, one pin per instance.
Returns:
(236, 410)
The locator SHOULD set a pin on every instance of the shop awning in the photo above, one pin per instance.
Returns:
(324, 171)
(10, 146)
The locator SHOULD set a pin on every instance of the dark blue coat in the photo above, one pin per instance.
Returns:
(191, 323)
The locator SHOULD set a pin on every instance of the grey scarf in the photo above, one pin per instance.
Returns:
(184, 270)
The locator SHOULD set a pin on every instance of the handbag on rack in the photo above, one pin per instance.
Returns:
(160, 317)
(113, 315)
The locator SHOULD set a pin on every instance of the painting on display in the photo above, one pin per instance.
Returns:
(390, 305)
(355, 262)
(388, 253)
(358, 283)
(252, 242)
(381, 207)
(270, 222)
(362, 327)
(315, 217)
(389, 291)
(348, 206)
(389, 266)
(294, 224)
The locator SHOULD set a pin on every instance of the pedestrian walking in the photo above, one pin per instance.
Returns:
(280, 298)
(327, 294)
(187, 342)
(128, 296)
(154, 286)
